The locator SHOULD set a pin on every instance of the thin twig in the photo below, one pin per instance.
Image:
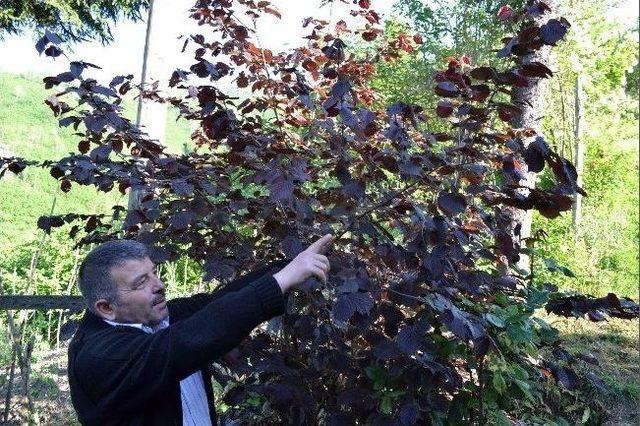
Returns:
(7, 398)
(385, 200)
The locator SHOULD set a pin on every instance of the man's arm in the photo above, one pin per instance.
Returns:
(238, 283)
(189, 305)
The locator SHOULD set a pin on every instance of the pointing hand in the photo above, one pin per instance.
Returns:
(311, 261)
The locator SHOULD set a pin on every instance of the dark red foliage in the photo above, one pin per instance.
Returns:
(423, 263)
(595, 308)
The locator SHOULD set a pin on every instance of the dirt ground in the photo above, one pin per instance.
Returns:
(50, 390)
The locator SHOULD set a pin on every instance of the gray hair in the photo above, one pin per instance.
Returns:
(94, 278)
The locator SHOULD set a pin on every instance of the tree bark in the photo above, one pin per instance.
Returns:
(531, 100)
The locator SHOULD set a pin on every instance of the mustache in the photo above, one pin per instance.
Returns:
(160, 297)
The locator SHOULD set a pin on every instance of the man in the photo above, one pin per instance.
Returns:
(138, 359)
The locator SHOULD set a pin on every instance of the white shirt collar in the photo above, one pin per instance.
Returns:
(147, 329)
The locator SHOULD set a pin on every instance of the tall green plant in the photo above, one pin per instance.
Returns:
(603, 251)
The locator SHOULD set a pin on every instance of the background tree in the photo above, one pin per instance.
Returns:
(603, 50)
(446, 28)
(73, 20)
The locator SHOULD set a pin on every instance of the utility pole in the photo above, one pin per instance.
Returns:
(151, 116)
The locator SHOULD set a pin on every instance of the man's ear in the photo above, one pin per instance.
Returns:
(105, 309)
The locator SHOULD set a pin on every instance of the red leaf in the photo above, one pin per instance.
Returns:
(535, 69)
(281, 190)
(452, 204)
(273, 12)
(444, 109)
(447, 89)
(505, 13)
(65, 185)
(404, 44)
(56, 172)
(369, 35)
(53, 51)
(480, 92)
(83, 146)
(310, 65)
(182, 220)
(553, 31)
(242, 80)
(483, 73)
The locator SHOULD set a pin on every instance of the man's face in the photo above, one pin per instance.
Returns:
(140, 293)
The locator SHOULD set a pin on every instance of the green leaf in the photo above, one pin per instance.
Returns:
(536, 298)
(495, 320)
(499, 418)
(498, 382)
(386, 405)
(525, 388)
(395, 393)
(553, 267)
(547, 333)
(518, 372)
(530, 251)
(518, 334)
(501, 299)
(376, 373)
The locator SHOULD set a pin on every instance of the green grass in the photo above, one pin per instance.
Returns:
(29, 129)
(603, 254)
(615, 346)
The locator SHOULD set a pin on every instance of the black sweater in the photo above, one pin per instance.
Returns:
(121, 375)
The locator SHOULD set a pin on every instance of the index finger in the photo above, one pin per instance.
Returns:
(321, 244)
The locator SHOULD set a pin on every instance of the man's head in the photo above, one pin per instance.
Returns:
(118, 281)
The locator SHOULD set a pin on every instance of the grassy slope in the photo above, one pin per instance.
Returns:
(614, 344)
(28, 129)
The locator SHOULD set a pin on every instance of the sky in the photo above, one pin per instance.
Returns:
(124, 55)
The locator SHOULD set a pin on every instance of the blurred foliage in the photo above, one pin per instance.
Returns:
(27, 129)
(447, 28)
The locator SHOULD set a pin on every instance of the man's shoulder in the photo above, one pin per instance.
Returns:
(103, 341)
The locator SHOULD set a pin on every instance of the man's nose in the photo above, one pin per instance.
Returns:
(158, 285)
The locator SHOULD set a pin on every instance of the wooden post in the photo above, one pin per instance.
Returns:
(579, 152)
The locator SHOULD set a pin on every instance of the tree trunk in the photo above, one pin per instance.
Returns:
(531, 100)
(7, 398)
